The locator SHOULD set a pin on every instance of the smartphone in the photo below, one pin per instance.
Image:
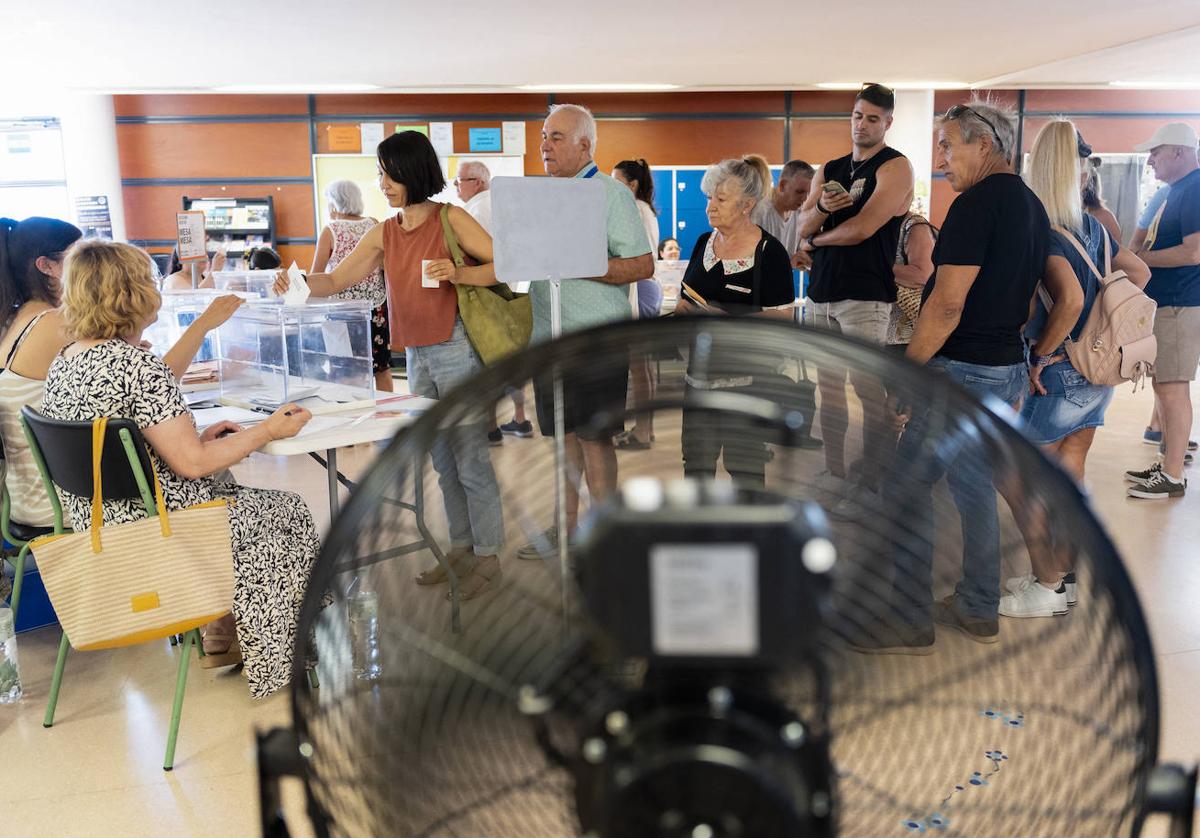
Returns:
(833, 187)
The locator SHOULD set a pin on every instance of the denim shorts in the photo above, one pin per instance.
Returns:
(1071, 404)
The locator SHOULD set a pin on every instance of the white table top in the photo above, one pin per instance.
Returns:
(340, 430)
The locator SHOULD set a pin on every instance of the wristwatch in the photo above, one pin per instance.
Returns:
(810, 241)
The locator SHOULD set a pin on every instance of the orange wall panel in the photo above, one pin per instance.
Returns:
(276, 149)
(150, 210)
(818, 141)
(1105, 134)
(452, 103)
(941, 195)
(681, 103)
(1118, 100)
(302, 254)
(208, 105)
(686, 142)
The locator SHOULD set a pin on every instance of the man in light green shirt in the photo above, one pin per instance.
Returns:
(568, 147)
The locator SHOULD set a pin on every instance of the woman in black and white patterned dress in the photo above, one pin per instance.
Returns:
(109, 299)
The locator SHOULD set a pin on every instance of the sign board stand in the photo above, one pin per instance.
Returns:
(547, 229)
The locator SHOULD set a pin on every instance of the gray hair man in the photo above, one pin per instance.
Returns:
(992, 252)
(1171, 249)
(473, 183)
(568, 150)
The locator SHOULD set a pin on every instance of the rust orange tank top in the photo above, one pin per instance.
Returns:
(419, 316)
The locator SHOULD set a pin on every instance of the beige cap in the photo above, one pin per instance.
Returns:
(1173, 133)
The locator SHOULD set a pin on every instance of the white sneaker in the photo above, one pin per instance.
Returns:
(1035, 600)
(1019, 583)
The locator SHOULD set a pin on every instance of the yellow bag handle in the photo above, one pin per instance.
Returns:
(99, 429)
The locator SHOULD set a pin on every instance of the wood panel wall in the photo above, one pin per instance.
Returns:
(247, 146)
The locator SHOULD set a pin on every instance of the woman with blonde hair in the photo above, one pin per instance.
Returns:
(109, 299)
(1063, 409)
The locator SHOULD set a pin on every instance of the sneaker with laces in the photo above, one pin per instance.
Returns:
(1141, 478)
(495, 437)
(1072, 588)
(1035, 600)
(859, 502)
(1158, 487)
(946, 613)
(544, 545)
(515, 428)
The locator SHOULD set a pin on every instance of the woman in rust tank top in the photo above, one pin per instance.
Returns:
(425, 321)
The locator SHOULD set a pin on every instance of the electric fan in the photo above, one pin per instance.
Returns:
(689, 661)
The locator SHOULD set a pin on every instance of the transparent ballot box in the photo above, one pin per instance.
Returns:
(317, 354)
(179, 309)
(252, 283)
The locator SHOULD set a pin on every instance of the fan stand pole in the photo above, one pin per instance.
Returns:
(560, 445)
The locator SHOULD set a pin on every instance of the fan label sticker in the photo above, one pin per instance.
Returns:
(704, 599)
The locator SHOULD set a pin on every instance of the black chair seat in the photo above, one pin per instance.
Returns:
(24, 532)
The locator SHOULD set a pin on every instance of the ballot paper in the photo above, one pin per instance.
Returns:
(297, 292)
(208, 416)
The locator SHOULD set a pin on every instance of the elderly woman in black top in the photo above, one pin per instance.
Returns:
(737, 269)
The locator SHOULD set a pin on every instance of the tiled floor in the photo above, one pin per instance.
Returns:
(98, 770)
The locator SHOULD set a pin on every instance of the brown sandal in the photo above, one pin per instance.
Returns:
(460, 561)
(483, 577)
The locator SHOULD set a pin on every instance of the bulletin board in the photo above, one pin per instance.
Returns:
(363, 170)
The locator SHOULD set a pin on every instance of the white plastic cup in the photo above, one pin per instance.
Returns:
(426, 282)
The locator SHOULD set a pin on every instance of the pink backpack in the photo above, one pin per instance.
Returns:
(1117, 342)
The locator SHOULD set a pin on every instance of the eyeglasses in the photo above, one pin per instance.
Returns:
(460, 180)
(959, 111)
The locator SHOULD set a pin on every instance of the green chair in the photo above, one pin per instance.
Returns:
(19, 536)
(63, 453)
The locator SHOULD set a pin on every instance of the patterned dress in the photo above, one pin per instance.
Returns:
(274, 538)
(346, 236)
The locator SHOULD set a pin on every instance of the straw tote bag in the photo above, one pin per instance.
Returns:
(497, 320)
(122, 584)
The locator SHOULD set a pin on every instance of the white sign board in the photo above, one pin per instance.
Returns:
(191, 236)
(549, 228)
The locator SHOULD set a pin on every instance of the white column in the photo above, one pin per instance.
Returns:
(912, 134)
(89, 132)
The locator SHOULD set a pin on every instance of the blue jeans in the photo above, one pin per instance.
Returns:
(460, 453)
(928, 450)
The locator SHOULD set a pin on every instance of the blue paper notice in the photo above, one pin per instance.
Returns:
(484, 139)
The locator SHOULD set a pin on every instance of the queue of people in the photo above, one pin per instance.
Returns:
(989, 301)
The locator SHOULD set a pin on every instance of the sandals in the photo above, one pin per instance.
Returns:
(220, 644)
(459, 559)
(483, 577)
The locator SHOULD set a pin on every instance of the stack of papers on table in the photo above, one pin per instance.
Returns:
(209, 416)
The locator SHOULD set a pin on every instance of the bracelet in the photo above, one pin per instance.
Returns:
(1039, 360)
(822, 209)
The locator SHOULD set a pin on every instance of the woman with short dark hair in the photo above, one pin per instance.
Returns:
(425, 321)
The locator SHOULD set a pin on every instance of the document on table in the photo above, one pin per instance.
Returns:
(206, 417)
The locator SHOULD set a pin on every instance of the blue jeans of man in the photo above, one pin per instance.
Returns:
(929, 449)
(460, 453)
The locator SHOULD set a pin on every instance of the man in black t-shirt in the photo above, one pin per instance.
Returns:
(990, 256)
(850, 225)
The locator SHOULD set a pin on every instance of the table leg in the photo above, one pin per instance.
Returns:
(331, 472)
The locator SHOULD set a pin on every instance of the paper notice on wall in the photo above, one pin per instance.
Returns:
(92, 216)
(344, 138)
(337, 339)
(372, 136)
(441, 136)
(514, 137)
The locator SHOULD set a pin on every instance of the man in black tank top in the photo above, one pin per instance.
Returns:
(850, 225)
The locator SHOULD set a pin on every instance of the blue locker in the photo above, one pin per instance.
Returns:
(664, 185)
(690, 224)
(688, 195)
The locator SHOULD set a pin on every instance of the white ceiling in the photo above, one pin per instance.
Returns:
(153, 45)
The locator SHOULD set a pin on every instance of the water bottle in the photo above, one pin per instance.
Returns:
(363, 608)
(10, 676)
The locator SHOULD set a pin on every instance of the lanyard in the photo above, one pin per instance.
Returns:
(592, 171)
